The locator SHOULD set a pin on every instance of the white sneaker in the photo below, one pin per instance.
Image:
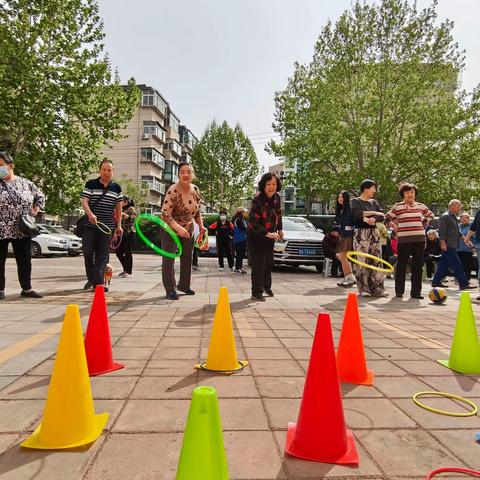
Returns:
(123, 274)
(382, 294)
(341, 283)
(365, 294)
(220, 269)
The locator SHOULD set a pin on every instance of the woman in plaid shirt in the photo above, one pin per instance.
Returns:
(264, 229)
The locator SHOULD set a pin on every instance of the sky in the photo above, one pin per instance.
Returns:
(225, 59)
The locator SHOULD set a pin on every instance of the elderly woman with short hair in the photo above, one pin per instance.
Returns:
(18, 197)
(409, 218)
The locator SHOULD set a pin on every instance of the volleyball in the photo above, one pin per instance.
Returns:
(437, 295)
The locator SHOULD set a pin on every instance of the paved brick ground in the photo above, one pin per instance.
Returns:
(160, 341)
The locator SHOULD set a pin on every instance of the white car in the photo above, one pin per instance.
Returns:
(302, 244)
(46, 244)
(74, 242)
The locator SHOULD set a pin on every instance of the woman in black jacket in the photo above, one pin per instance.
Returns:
(264, 229)
(345, 222)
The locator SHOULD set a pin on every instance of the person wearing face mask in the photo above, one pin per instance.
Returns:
(263, 230)
(239, 239)
(18, 197)
(224, 232)
(102, 202)
(181, 208)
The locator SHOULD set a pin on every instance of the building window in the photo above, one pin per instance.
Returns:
(175, 148)
(171, 172)
(153, 155)
(152, 99)
(153, 183)
(153, 128)
(172, 122)
(289, 194)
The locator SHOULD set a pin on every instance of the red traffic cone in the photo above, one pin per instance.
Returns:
(320, 433)
(98, 346)
(351, 363)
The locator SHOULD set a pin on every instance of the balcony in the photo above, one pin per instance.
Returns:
(152, 155)
(154, 184)
(154, 129)
(152, 99)
(174, 147)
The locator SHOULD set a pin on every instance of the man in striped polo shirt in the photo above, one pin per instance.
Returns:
(101, 198)
(408, 218)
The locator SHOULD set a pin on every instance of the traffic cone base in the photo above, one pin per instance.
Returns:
(115, 366)
(349, 457)
(366, 381)
(35, 440)
(241, 366)
(446, 363)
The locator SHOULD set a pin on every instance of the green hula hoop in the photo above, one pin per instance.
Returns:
(444, 412)
(162, 224)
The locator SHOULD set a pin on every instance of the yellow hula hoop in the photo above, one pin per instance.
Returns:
(103, 228)
(444, 412)
(351, 255)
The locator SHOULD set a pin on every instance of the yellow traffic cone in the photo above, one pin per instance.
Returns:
(222, 354)
(69, 418)
(465, 350)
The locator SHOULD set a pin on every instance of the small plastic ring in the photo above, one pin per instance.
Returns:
(467, 471)
(444, 412)
(352, 254)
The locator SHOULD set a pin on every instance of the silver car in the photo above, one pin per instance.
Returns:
(302, 244)
(74, 243)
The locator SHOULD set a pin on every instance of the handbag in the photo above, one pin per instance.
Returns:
(78, 231)
(28, 226)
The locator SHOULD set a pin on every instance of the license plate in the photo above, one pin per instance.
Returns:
(306, 251)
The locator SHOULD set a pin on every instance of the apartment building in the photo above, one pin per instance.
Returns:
(152, 147)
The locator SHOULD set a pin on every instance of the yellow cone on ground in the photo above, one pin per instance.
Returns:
(465, 350)
(69, 418)
(222, 354)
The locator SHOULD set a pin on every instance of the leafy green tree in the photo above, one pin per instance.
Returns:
(133, 190)
(59, 99)
(381, 99)
(225, 165)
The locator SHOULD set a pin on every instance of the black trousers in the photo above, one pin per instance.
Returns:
(224, 250)
(195, 256)
(416, 251)
(467, 262)
(22, 249)
(168, 264)
(96, 252)
(124, 253)
(240, 251)
(262, 265)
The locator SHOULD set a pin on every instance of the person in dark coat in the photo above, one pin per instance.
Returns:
(223, 229)
(264, 229)
(330, 244)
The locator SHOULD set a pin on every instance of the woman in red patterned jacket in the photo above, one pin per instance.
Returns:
(264, 229)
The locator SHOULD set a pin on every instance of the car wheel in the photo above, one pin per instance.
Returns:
(36, 250)
(319, 267)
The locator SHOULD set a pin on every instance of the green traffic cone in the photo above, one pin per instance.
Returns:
(465, 350)
(203, 454)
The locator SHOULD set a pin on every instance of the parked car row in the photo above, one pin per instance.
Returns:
(302, 244)
(54, 241)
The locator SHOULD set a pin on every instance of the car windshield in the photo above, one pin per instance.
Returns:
(297, 224)
(50, 229)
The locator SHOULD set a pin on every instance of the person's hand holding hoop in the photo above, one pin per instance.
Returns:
(92, 219)
(182, 232)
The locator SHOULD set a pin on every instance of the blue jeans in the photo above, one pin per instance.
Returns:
(450, 259)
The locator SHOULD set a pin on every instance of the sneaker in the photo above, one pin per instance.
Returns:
(257, 298)
(383, 294)
(237, 271)
(173, 295)
(195, 268)
(188, 291)
(2, 295)
(417, 297)
(269, 292)
(399, 295)
(440, 285)
(123, 274)
(105, 288)
(341, 283)
(220, 269)
(30, 294)
(365, 294)
(88, 285)
(243, 272)
(468, 287)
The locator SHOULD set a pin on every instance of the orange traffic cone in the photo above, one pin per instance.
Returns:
(351, 363)
(98, 346)
(320, 433)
